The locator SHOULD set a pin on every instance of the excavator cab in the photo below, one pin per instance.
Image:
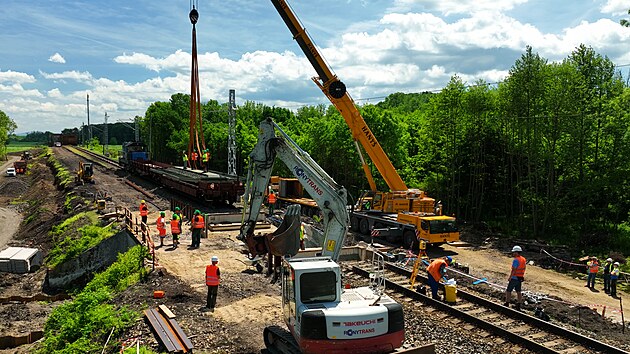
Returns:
(85, 173)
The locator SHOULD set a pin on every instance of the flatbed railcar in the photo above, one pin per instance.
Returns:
(211, 186)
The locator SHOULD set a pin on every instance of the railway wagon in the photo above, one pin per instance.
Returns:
(211, 186)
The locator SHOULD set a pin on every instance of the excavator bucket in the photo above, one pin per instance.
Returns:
(285, 241)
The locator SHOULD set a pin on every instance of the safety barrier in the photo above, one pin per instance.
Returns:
(142, 234)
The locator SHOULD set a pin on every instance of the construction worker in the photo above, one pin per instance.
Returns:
(213, 278)
(161, 227)
(178, 212)
(206, 160)
(144, 211)
(184, 159)
(437, 271)
(517, 276)
(608, 267)
(614, 275)
(302, 236)
(198, 224)
(175, 229)
(272, 202)
(593, 268)
(193, 157)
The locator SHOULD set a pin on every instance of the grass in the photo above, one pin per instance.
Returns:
(76, 235)
(112, 150)
(83, 325)
(19, 146)
(63, 177)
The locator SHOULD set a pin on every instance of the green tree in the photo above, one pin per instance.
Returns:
(7, 127)
(624, 22)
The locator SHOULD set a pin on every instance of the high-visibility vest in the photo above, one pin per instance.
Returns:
(272, 198)
(614, 274)
(175, 227)
(434, 268)
(519, 271)
(185, 158)
(161, 226)
(212, 278)
(593, 266)
(198, 222)
(301, 232)
(144, 211)
(194, 156)
(206, 157)
(608, 267)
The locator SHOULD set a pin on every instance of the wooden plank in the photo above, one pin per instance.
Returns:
(425, 349)
(166, 312)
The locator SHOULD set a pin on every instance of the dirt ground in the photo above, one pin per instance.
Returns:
(247, 302)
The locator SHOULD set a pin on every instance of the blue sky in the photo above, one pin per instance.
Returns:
(128, 54)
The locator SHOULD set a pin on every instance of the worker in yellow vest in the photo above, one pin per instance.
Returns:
(206, 160)
(184, 159)
(176, 229)
(213, 278)
(198, 224)
(302, 236)
(160, 223)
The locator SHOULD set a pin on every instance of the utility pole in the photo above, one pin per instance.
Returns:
(105, 136)
(136, 130)
(88, 117)
(83, 133)
(232, 135)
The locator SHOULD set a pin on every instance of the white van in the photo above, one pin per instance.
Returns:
(11, 172)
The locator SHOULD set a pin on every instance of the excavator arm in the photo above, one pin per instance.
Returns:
(330, 197)
(335, 90)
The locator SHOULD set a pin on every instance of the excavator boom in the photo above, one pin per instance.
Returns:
(330, 197)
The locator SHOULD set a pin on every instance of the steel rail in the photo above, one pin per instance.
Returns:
(475, 319)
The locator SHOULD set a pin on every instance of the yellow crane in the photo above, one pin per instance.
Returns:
(418, 217)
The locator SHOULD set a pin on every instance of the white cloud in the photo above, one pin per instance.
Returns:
(616, 7)
(57, 58)
(449, 7)
(17, 77)
(69, 75)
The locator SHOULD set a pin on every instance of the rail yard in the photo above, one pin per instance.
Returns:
(248, 303)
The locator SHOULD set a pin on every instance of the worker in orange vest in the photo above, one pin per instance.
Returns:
(194, 156)
(144, 211)
(213, 278)
(517, 276)
(272, 202)
(160, 223)
(175, 229)
(437, 271)
(593, 268)
(198, 224)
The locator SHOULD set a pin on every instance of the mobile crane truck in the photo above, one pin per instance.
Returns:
(320, 315)
(401, 213)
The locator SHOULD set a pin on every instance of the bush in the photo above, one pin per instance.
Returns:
(82, 325)
(76, 235)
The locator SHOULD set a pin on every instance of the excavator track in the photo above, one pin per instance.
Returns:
(279, 341)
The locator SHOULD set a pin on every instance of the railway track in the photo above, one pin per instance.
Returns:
(512, 325)
(94, 157)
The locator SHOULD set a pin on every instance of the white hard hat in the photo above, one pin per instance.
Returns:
(616, 263)
(608, 259)
(517, 249)
(215, 258)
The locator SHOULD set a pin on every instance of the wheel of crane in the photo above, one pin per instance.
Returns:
(410, 239)
(364, 227)
(354, 223)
